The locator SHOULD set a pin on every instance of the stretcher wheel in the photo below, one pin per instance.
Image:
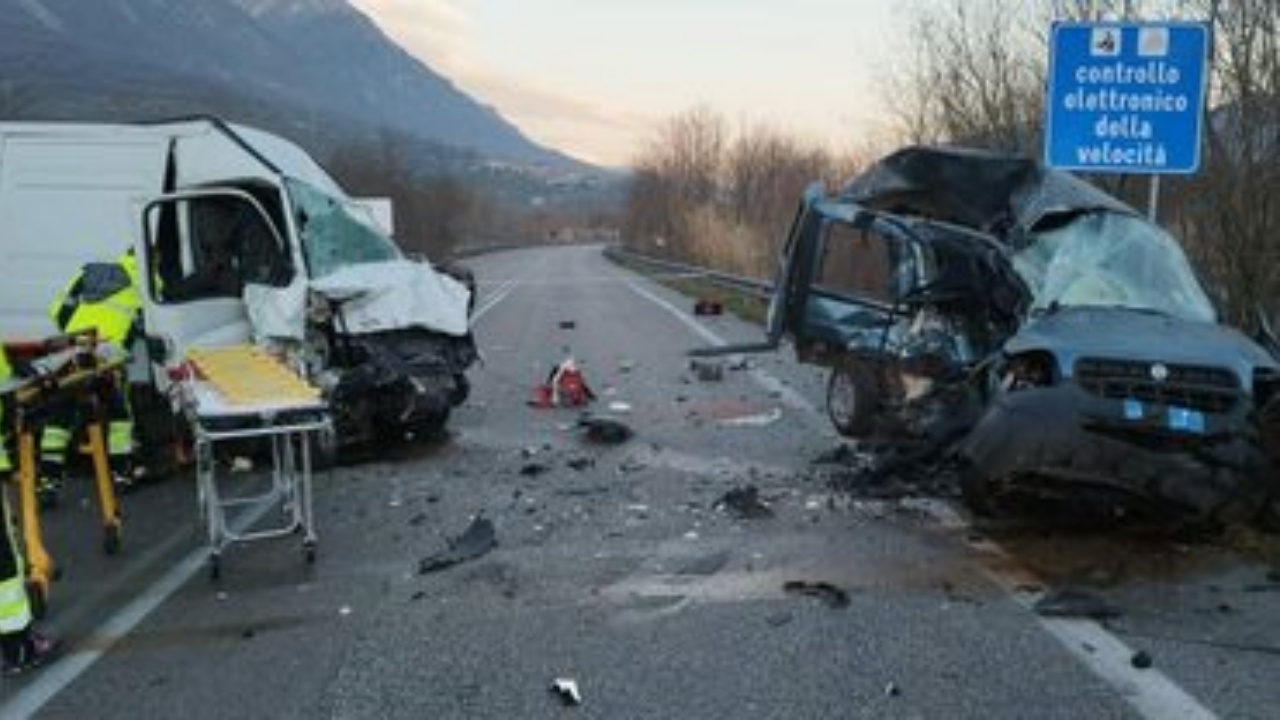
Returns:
(111, 539)
(309, 552)
(215, 567)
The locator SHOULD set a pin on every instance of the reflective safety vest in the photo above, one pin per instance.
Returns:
(102, 297)
(6, 371)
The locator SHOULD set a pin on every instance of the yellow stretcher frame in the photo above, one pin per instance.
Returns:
(25, 401)
(238, 393)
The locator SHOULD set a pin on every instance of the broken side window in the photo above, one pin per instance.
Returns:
(859, 264)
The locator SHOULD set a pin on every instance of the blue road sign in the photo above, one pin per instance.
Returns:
(1126, 97)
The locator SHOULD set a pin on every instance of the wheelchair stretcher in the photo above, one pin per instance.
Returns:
(242, 393)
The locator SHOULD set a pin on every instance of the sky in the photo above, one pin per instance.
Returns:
(594, 78)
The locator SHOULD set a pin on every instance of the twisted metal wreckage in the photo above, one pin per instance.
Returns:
(1035, 329)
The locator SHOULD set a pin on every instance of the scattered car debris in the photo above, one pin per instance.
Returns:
(756, 420)
(705, 307)
(626, 366)
(891, 689)
(605, 431)
(1141, 660)
(830, 595)
(581, 464)
(568, 325)
(843, 454)
(744, 503)
(478, 539)
(1074, 603)
(619, 408)
(707, 370)
(567, 690)
(533, 469)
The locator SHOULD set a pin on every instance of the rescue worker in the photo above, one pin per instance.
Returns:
(21, 646)
(103, 297)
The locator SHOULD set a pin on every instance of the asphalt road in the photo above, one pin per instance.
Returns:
(617, 567)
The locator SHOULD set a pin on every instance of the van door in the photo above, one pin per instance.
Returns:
(202, 249)
(854, 271)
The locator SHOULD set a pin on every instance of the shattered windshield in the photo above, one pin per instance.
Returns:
(1108, 259)
(334, 236)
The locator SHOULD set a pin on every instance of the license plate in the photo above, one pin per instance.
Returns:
(1133, 409)
(1185, 420)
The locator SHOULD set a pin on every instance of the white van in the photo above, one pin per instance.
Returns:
(241, 236)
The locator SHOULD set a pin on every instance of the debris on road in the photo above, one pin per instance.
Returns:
(707, 370)
(567, 690)
(764, 419)
(892, 690)
(705, 307)
(581, 464)
(533, 469)
(1074, 603)
(605, 431)
(626, 366)
(619, 408)
(566, 386)
(1141, 660)
(568, 325)
(744, 503)
(479, 538)
(830, 595)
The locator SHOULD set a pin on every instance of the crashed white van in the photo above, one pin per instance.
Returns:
(241, 236)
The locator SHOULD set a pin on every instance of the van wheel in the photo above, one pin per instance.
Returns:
(853, 399)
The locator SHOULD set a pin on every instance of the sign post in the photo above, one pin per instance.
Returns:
(1126, 97)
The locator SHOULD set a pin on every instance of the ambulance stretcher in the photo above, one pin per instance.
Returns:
(240, 393)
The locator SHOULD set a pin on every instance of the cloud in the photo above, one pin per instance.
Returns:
(439, 32)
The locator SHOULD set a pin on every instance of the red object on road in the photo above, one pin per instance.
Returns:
(566, 387)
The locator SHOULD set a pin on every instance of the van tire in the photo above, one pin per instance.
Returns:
(854, 398)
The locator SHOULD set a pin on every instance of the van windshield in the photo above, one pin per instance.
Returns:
(1109, 259)
(336, 233)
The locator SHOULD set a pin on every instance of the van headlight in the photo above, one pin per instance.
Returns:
(1029, 370)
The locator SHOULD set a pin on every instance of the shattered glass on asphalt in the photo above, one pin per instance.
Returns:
(1106, 259)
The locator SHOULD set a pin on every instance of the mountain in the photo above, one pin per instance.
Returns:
(316, 70)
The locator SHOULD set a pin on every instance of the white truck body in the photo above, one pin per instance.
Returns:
(202, 200)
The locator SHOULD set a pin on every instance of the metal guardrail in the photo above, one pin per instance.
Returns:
(751, 286)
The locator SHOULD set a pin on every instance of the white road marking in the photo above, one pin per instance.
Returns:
(1150, 692)
(766, 381)
(62, 672)
(498, 296)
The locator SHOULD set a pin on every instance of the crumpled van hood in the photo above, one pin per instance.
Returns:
(375, 297)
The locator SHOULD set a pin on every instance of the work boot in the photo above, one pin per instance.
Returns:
(47, 491)
(27, 650)
(123, 482)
